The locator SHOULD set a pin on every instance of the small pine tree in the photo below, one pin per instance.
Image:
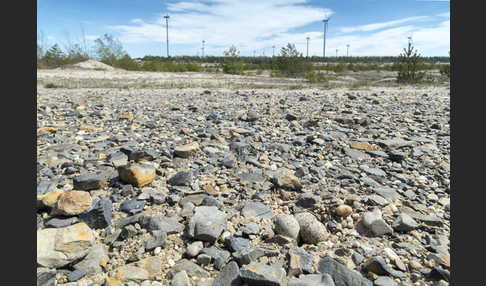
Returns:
(54, 57)
(230, 63)
(408, 67)
(291, 62)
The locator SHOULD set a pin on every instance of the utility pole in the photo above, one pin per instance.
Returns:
(203, 48)
(336, 52)
(167, 31)
(324, 43)
(307, 47)
(347, 50)
(273, 53)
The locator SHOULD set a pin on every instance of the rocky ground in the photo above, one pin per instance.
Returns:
(234, 187)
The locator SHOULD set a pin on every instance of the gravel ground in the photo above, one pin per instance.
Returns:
(225, 186)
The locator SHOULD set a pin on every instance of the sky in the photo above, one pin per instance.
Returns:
(355, 27)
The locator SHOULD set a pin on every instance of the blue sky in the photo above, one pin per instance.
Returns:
(369, 27)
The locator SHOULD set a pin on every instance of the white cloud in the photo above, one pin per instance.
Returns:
(224, 22)
(377, 26)
(257, 25)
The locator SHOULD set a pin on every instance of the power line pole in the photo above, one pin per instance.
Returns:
(167, 31)
(324, 43)
(273, 53)
(347, 50)
(336, 52)
(307, 47)
(203, 48)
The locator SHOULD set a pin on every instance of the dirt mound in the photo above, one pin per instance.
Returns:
(93, 65)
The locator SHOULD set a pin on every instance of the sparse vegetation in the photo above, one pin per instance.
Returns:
(291, 62)
(445, 70)
(314, 77)
(408, 66)
(231, 64)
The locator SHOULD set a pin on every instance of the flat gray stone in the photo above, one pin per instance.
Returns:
(404, 223)
(263, 275)
(206, 224)
(341, 275)
(166, 224)
(388, 193)
(257, 209)
(191, 268)
(228, 276)
(312, 280)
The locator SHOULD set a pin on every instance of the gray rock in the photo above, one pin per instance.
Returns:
(257, 209)
(60, 222)
(341, 275)
(118, 159)
(206, 224)
(45, 187)
(132, 206)
(379, 266)
(375, 223)
(373, 171)
(120, 223)
(311, 231)
(251, 228)
(228, 276)
(305, 260)
(286, 180)
(57, 247)
(356, 154)
(158, 239)
(100, 215)
(219, 256)
(46, 278)
(263, 275)
(312, 280)
(210, 201)
(385, 281)
(236, 243)
(203, 259)
(191, 268)
(394, 143)
(76, 275)
(180, 279)
(308, 201)
(182, 178)
(92, 262)
(357, 258)
(287, 225)
(404, 223)
(388, 193)
(194, 248)
(248, 255)
(94, 181)
(166, 224)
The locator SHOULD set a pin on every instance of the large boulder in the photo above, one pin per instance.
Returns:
(57, 247)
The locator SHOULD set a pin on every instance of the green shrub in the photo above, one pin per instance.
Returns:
(231, 64)
(314, 77)
(408, 66)
(291, 62)
(127, 63)
(445, 70)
